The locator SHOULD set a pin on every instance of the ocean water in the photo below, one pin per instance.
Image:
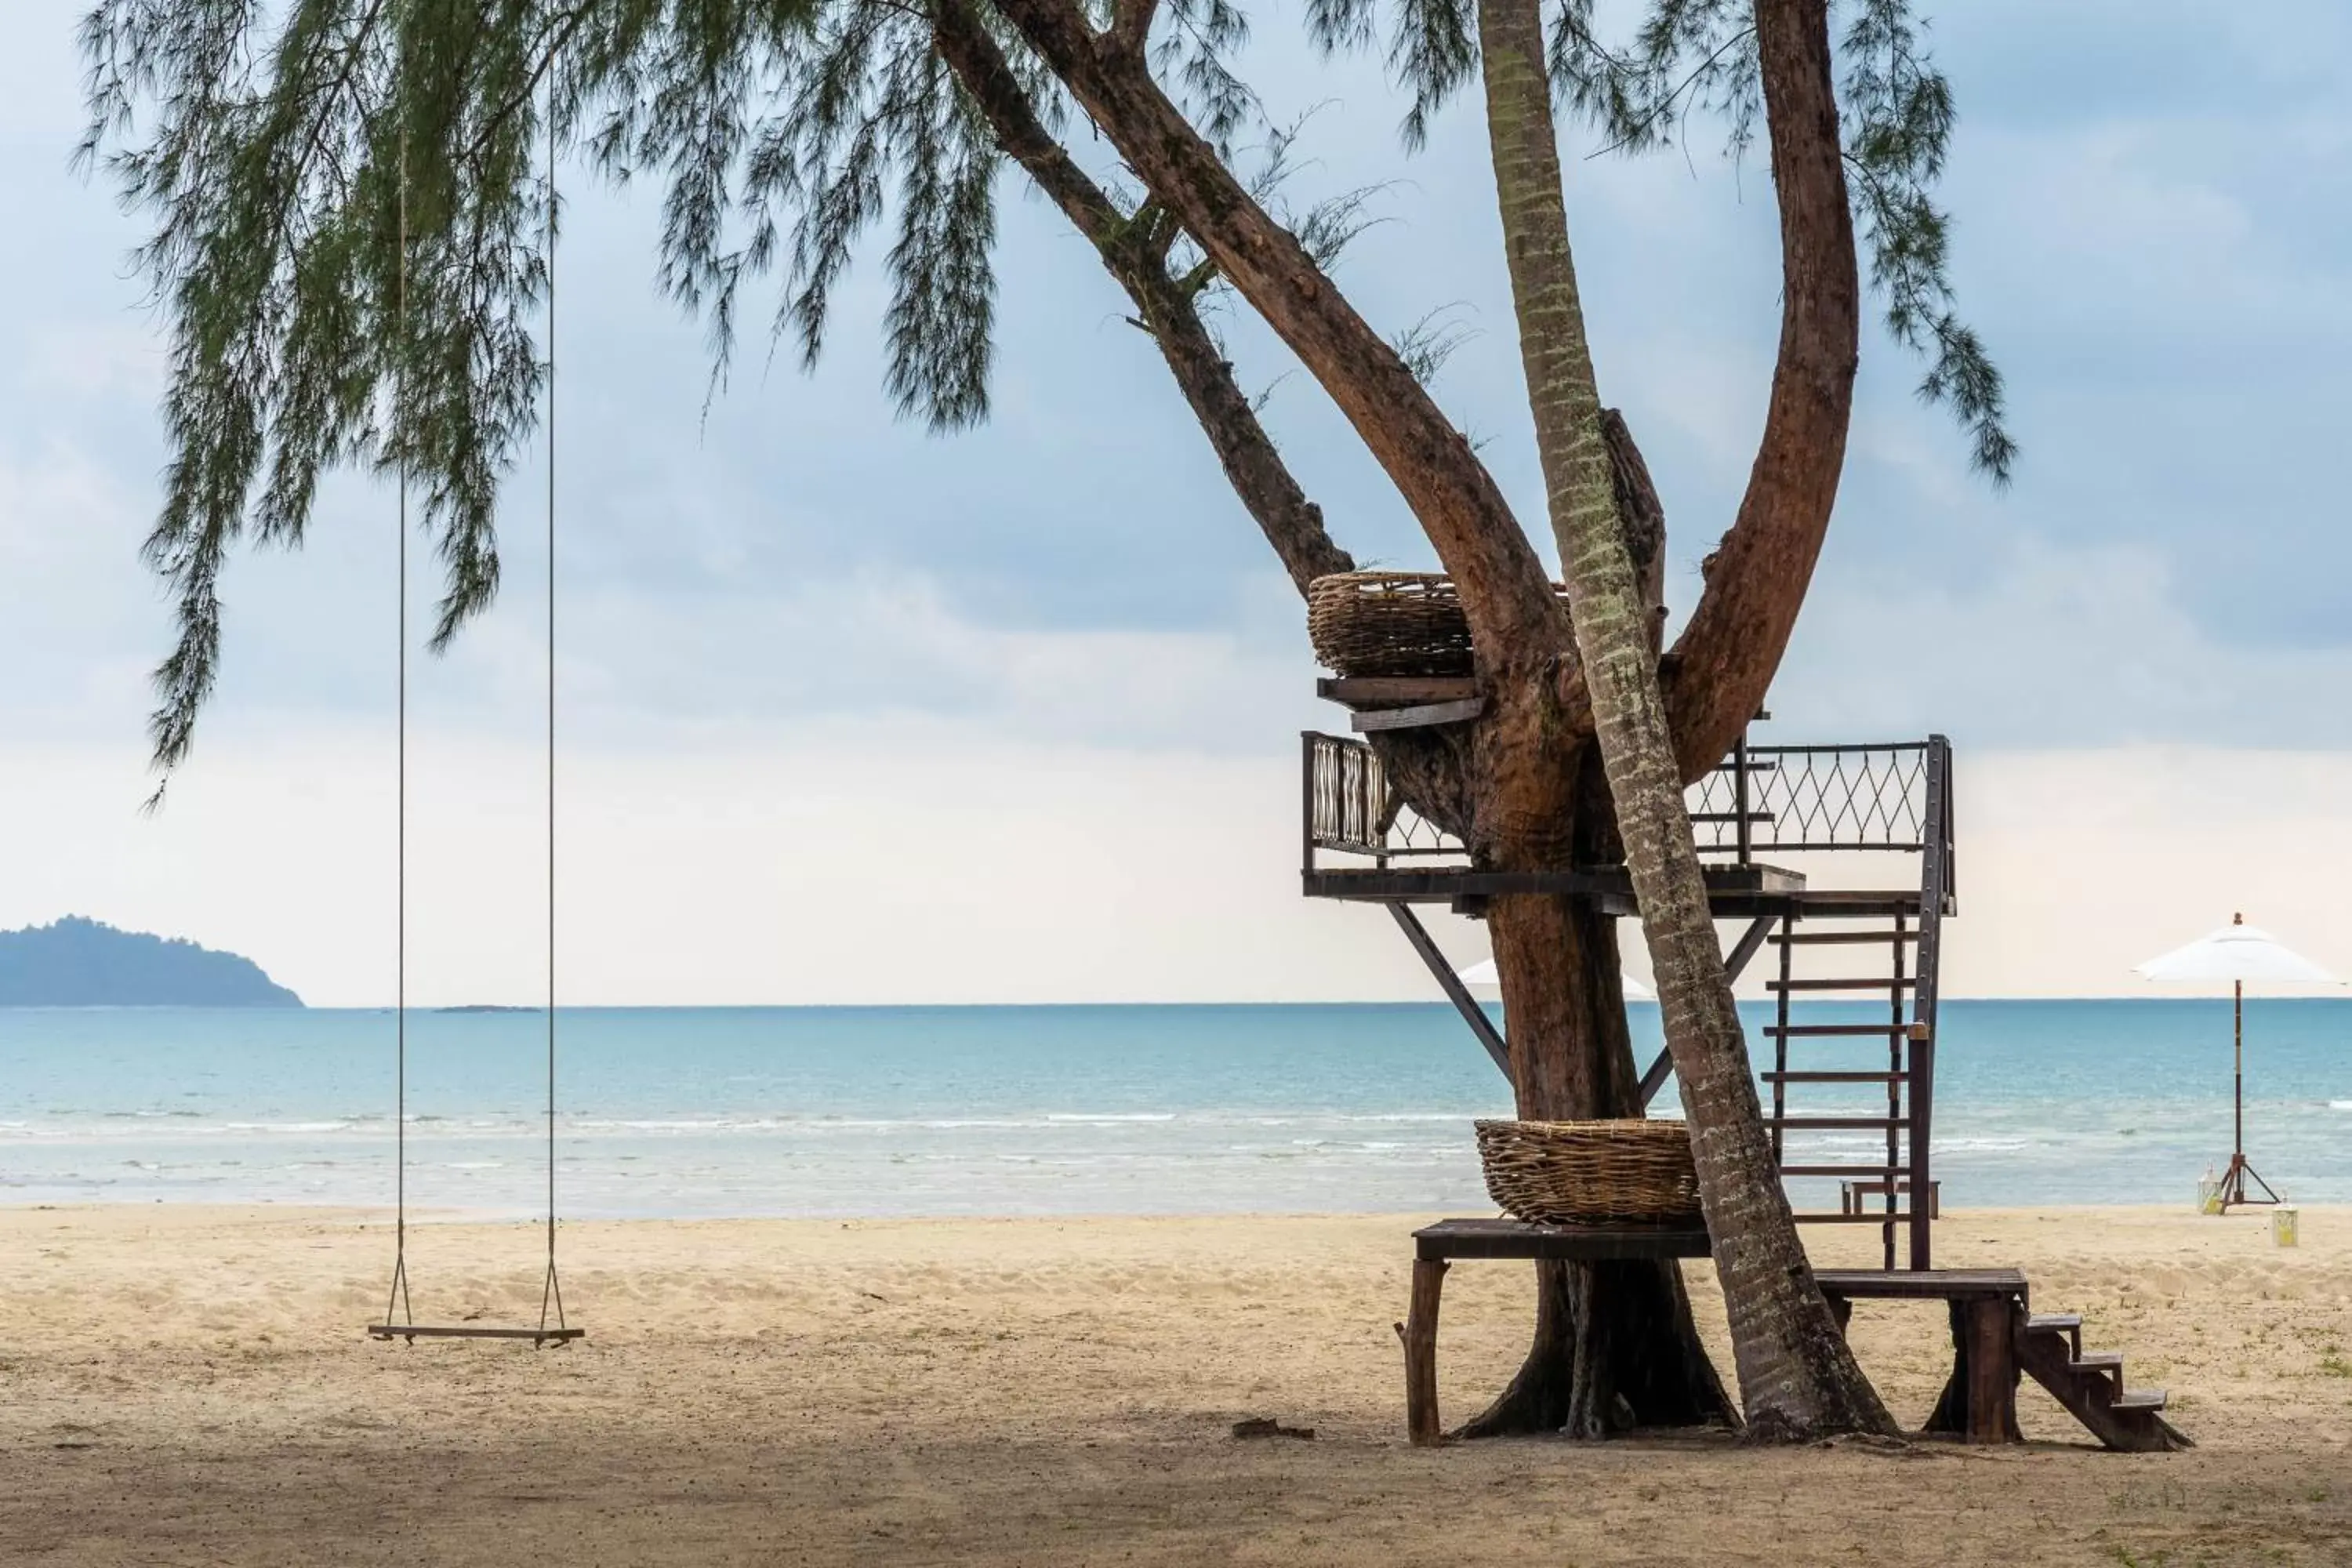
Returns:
(1076, 1109)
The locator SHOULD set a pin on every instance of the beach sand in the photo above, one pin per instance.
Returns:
(191, 1385)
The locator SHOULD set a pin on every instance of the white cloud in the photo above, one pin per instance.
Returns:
(2050, 646)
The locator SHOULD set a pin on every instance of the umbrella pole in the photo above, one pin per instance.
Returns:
(2233, 1185)
(2237, 1076)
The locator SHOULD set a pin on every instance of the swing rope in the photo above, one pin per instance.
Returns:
(551, 1300)
(399, 1295)
(552, 1289)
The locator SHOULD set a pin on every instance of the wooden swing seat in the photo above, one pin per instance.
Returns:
(413, 1332)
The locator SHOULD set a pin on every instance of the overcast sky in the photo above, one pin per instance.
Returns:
(854, 714)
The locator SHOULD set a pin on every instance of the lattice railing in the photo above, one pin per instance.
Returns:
(1817, 798)
(1784, 798)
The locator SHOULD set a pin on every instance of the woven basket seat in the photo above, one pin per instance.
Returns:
(1591, 1173)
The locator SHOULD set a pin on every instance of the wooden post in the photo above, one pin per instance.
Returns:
(1992, 1369)
(1418, 1331)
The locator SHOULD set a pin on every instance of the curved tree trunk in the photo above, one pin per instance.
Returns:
(1798, 1378)
(1724, 661)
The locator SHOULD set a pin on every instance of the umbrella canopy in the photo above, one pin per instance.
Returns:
(1483, 977)
(2235, 953)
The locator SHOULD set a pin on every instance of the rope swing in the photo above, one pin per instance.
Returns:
(552, 1328)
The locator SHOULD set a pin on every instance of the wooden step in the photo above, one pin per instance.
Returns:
(1875, 1172)
(1837, 1124)
(2139, 1399)
(1881, 1076)
(1826, 1031)
(1876, 1216)
(1831, 938)
(2067, 1326)
(1884, 983)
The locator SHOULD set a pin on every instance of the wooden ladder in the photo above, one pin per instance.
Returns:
(1894, 936)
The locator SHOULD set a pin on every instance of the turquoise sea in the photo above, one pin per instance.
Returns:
(1072, 1109)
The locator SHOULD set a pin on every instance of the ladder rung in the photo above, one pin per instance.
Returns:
(1795, 1031)
(1881, 1076)
(1879, 1216)
(1884, 983)
(1847, 938)
(1846, 1170)
(1837, 1124)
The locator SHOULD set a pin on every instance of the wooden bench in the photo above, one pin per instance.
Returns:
(1987, 1305)
(1435, 1247)
(1988, 1308)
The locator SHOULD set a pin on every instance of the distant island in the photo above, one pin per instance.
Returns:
(78, 962)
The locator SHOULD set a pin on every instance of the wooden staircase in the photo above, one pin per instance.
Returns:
(2091, 1386)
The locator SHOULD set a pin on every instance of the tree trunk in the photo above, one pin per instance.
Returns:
(1798, 1379)
(1615, 1347)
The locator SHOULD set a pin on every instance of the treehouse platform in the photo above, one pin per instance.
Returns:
(1835, 859)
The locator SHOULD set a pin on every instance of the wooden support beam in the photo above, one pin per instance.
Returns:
(1421, 718)
(1455, 991)
(1751, 940)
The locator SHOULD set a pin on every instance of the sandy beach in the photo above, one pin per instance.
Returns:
(184, 1385)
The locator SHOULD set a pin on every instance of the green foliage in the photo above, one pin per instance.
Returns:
(1687, 60)
(353, 207)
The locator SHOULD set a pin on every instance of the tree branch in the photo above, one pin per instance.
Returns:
(1723, 663)
(1516, 624)
(1130, 25)
(1135, 252)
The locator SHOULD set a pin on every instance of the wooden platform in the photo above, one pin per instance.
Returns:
(1731, 889)
(1567, 1242)
(1995, 1337)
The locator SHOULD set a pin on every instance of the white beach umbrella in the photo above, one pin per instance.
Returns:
(1483, 977)
(2237, 953)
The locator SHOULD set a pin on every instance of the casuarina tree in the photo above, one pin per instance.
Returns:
(348, 201)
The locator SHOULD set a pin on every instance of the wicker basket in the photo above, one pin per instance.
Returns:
(1388, 622)
(1591, 1173)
